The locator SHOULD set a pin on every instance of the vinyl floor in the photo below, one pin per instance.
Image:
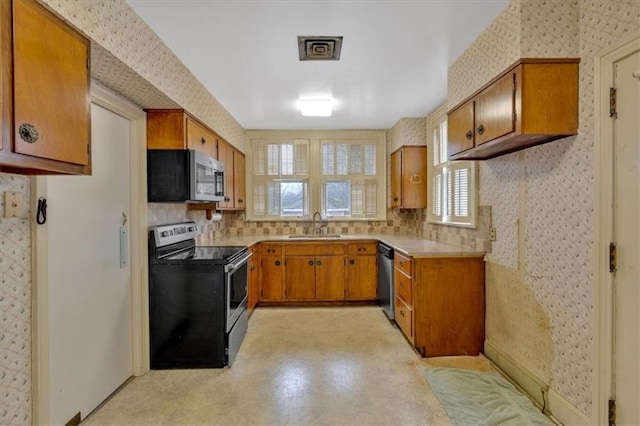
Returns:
(296, 366)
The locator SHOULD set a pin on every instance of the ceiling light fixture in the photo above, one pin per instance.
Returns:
(316, 107)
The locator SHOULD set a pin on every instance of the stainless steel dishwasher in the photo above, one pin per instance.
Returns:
(385, 279)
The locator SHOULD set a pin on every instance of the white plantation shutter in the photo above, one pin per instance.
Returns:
(349, 162)
(276, 164)
(452, 182)
(437, 196)
(370, 159)
(444, 142)
(342, 159)
(343, 181)
(259, 200)
(259, 159)
(460, 193)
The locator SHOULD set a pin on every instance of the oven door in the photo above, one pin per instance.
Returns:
(207, 178)
(236, 283)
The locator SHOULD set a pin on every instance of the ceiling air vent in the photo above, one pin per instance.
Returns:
(319, 48)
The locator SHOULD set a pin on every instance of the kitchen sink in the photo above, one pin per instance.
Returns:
(313, 237)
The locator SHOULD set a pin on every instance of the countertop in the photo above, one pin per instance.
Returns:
(410, 245)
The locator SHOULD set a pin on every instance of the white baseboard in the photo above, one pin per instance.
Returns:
(556, 406)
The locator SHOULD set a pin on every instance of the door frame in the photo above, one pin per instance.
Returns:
(138, 258)
(603, 303)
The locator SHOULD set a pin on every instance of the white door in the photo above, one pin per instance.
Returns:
(626, 219)
(89, 292)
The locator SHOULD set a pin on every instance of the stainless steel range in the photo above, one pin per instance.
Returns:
(197, 299)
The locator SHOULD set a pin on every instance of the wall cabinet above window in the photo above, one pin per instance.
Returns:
(44, 92)
(534, 101)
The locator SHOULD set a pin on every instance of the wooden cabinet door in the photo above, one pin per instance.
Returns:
(239, 190)
(414, 177)
(271, 278)
(200, 138)
(330, 277)
(396, 179)
(460, 129)
(52, 100)
(253, 280)
(362, 277)
(495, 109)
(300, 282)
(225, 155)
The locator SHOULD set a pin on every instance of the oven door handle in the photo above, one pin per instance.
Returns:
(233, 266)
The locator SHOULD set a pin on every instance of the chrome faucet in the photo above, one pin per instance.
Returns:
(317, 230)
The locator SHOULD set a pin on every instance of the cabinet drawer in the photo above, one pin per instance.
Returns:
(403, 287)
(271, 250)
(312, 249)
(363, 248)
(403, 263)
(404, 318)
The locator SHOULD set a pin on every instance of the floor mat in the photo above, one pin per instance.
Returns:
(482, 398)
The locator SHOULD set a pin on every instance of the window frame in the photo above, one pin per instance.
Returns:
(315, 178)
(445, 169)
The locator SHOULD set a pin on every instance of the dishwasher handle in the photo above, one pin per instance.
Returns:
(385, 250)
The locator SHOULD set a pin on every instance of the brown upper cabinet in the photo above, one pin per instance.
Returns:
(45, 99)
(176, 129)
(409, 177)
(533, 102)
(234, 170)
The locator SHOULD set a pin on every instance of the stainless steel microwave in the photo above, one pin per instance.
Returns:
(183, 176)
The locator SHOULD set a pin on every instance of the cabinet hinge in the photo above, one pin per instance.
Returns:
(613, 258)
(612, 412)
(613, 103)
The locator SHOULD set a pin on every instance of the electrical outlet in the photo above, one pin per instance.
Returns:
(492, 233)
(13, 204)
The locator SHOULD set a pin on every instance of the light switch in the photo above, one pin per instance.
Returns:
(13, 204)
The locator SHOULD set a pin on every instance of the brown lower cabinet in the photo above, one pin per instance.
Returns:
(318, 271)
(271, 272)
(440, 304)
(253, 279)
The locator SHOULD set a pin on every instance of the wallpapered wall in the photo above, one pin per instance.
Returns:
(539, 277)
(539, 274)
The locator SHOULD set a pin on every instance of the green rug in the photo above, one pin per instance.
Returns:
(482, 398)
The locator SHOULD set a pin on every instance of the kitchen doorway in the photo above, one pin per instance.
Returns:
(617, 295)
(89, 306)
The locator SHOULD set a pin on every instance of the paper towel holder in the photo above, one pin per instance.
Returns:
(211, 212)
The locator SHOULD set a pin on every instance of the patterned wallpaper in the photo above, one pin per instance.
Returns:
(15, 307)
(539, 280)
(539, 307)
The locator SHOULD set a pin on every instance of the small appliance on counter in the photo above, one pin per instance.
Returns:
(197, 299)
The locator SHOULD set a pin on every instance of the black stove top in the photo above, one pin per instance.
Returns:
(207, 253)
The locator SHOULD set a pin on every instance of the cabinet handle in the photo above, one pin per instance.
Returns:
(352, 262)
(277, 263)
(203, 140)
(469, 135)
(240, 200)
(402, 314)
(480, 129)
(28, 133)
(318, 263)
(401, 263)
(253, 268)
(227, 198)
(395, 198)
(311, 263)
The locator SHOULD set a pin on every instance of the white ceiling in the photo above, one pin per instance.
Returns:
(394, 60)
